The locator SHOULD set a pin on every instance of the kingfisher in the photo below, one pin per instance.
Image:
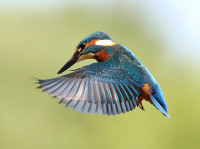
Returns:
(117, 83)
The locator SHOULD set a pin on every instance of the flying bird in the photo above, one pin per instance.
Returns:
(116, 84)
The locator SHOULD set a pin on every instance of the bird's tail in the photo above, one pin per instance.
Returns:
(159, 102)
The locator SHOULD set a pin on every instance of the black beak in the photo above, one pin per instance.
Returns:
(70, 62)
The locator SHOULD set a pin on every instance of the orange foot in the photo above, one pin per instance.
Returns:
(140, 102)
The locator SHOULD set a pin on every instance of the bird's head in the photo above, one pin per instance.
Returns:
(91, 47)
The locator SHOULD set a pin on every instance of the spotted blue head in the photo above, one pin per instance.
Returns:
(91, 47)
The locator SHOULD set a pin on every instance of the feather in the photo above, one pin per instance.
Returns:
(159, 107)
(93, 92)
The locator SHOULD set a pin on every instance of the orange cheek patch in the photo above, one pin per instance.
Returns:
(91, 43)
(101, 56)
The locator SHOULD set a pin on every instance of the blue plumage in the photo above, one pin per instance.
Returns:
(158, 106)
(117, 83)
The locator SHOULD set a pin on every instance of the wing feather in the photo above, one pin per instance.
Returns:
(94, 91)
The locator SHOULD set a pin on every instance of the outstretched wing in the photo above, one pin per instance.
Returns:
(97, 88)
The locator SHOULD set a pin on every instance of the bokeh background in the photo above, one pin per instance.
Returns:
(38, 37)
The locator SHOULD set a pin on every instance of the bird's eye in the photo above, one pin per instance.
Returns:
(82, 46)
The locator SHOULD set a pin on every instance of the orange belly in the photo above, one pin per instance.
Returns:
(145, 93)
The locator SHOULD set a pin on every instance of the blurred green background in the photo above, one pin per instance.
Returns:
(37, 39)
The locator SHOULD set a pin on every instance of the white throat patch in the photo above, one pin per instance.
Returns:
(105, 43)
